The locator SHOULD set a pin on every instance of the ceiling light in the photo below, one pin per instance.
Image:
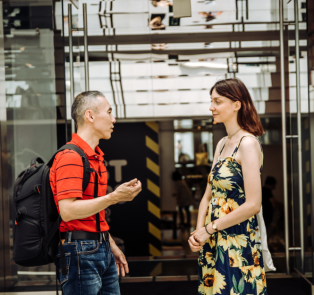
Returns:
(209, 65)
(30, 66)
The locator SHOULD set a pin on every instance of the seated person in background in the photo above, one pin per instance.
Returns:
(268, 200)
(184, 197)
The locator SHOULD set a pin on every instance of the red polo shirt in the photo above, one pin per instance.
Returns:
(66, 178)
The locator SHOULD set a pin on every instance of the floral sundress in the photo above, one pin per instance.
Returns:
(230, 262)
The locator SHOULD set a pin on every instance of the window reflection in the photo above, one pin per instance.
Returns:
(184, 147)
(34, 90)
(163, 71)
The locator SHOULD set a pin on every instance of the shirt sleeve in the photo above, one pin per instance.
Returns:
(69, 175)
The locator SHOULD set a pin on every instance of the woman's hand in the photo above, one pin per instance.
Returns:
(194, 245)
(200, 235)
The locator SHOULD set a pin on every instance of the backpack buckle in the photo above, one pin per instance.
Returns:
(18, 216)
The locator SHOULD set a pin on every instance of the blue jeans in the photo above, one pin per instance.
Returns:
(91, 268)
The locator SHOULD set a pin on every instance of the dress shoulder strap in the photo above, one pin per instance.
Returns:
(223, 144)
(237, 147)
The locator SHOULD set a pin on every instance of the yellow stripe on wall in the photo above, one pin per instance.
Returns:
(153, 251)
(154, 231)
(152, 145)
(157, 270)
(153, 209)
(153, 188)
(152, 166)
(308, 209)
(153, 125)
(306, 123)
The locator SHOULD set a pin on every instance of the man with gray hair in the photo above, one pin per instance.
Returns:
(93, 260)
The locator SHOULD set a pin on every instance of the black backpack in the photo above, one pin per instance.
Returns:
(35, 234)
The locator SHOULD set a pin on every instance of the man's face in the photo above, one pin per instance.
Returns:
(104, 120)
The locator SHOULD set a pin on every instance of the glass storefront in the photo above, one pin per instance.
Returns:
(34, 108)
(156, 71)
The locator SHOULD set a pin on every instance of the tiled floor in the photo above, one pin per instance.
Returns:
(178, 263)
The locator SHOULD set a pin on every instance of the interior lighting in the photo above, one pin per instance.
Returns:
(209, 65)
(30, 66)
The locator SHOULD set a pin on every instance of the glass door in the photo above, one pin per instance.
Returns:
(296, 135)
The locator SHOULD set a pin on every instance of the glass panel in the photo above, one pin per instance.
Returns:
(153, 70)
(308, 161)
(35, 107)
(297, 214)
(184, 149)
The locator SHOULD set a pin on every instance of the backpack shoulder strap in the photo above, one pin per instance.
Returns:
(86, 166)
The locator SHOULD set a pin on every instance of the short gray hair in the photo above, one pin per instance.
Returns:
(82, 102)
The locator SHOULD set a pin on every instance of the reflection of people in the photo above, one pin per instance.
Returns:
(184, 198)
(159, 46)
(268, 199)
(161, 3)
(84, 230)
(179, 147)
(184, 158)
(226, 232)
(156, 22)
(209, 16)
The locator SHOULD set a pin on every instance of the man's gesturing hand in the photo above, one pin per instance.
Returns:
(127, 191)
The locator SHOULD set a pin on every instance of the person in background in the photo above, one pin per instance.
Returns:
(268, 200)
(184, 198)
(161, 3)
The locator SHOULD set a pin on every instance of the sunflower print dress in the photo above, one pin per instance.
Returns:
(230, 262)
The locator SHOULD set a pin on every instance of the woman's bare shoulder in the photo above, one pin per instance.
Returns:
(249, 144)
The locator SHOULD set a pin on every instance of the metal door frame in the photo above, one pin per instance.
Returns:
(299, 274)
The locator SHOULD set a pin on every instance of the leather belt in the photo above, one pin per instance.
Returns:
(84, 235)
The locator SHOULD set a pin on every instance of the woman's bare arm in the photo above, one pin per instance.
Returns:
(195, 246)
(249, 153)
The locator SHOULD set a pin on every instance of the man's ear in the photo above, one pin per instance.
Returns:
(89, 115)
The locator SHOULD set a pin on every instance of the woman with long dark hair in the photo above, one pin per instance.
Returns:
(227, 233)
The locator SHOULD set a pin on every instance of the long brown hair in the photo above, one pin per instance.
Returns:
(235, 90)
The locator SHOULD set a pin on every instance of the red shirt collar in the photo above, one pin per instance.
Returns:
(77, 140)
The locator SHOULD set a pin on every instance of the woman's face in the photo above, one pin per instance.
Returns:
(223, 108)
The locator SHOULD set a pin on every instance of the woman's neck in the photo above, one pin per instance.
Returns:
(232, 128)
